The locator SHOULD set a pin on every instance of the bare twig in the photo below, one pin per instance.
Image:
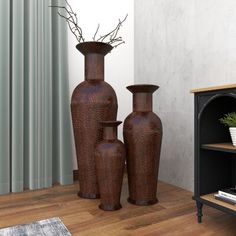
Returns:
(72, 21)
(67, 3)
(75, 30)
(114, 46)
(113, 34)
(94, 37)
(76, 19)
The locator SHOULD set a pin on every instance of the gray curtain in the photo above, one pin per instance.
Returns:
(35, 127)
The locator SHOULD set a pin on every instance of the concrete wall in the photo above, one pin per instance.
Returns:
(180, 45)
(119, 64)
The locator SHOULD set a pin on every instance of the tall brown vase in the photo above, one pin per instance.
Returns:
(110, 162)
(142, 137)
(92, 101)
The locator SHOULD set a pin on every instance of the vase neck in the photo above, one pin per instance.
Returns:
(110, 129)
(94, 66)
(110, 133)
(142, 102)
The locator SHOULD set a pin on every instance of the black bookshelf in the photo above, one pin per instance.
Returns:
(214, 155)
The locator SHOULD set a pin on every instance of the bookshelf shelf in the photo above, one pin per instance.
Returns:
(210, 198)
(222, 147)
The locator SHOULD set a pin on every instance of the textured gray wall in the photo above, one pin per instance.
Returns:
(180, 45)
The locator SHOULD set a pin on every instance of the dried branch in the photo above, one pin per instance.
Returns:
(94, 37)
(114, 46)
(70, 8)
(113, 35)
(72, 21)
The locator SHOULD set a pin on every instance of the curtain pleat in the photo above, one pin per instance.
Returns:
(48, 90)
(4, 96)
(61, 113)
(27, 90)
(17, 95)
(34, 97)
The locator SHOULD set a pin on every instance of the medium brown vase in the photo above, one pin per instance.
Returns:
(142, 137)
(110, 163)
(92, 101)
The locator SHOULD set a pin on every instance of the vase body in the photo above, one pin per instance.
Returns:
(92, 101)
(142, 136)
(110, 163)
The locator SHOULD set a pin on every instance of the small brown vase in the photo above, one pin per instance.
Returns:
(92, 101)
(142, 137)
(110, 162)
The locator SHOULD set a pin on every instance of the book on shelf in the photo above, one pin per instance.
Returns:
(225, 199)
(231, 191)
(228, 193)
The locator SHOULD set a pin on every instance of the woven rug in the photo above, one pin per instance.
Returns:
(48, 227)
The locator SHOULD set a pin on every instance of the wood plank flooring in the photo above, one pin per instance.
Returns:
(175, 213)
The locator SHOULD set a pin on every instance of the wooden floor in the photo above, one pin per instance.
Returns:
(173, 215)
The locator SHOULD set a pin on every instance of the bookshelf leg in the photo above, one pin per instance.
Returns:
(199, 211)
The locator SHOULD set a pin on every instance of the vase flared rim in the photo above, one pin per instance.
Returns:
(94, 47)
(142, 88)
(114, 123)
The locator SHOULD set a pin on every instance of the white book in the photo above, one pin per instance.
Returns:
(224, 199)
(227, 195)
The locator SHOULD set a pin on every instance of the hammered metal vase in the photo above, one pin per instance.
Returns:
(142, 138)
(110, 163)
(92, 101)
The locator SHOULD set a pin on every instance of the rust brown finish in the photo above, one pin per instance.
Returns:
(92, 101)
(142, 137)
(110, 163)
